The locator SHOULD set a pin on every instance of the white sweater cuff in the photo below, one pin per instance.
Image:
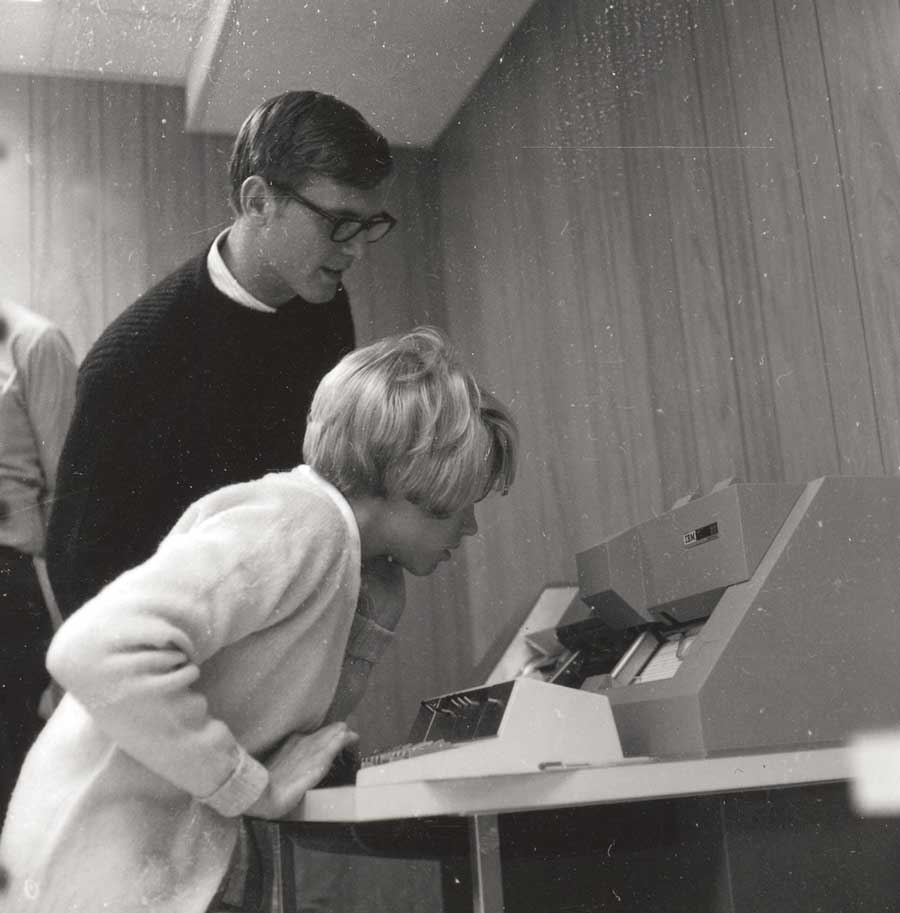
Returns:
(245, 785)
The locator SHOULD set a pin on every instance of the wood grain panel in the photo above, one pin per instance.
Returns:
(654, 246)
(399, 282)
(834, 278)
(622, 440)
(861, 49)
(15, 190)
(778, 221)
(648, 164)
(613, 431)
(708, 372)
(67, 266)
(115, 185)
(754, 400)
(183, 212)
(118, 195)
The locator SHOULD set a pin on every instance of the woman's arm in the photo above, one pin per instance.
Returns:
(131, 656)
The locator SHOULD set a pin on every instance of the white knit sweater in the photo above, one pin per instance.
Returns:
(179, 675)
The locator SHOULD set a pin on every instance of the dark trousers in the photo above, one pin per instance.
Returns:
(25, 632)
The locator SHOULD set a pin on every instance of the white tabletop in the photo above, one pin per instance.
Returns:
(634, 780)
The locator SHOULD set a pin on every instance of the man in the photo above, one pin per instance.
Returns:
(37, 392)
(207, 378)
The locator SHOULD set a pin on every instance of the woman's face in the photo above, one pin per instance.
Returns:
(420, 540)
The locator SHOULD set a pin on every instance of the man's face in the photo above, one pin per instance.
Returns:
(299, 257)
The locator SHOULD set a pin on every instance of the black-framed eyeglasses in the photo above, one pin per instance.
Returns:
(343, 228)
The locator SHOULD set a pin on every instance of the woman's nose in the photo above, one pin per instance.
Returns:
(470, 524)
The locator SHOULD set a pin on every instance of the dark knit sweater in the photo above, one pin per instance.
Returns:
(183, 393)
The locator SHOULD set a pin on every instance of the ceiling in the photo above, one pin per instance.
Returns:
(406, 64)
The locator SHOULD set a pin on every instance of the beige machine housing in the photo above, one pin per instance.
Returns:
(795, 595)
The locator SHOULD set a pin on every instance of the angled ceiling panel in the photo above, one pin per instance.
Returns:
(27, 30)
(406, 64)
(119, 43)
(134, 40)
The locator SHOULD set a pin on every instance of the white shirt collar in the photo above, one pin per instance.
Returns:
(223, 279)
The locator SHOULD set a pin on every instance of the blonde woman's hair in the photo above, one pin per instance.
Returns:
(403, 418)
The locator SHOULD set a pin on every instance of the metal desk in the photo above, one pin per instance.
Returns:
(482, 800)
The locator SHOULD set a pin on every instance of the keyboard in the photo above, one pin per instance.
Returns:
(520, 726)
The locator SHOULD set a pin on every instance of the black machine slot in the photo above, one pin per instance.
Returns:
(594, 649)
(462, 717)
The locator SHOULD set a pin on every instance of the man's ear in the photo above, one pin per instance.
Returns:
(257, 199)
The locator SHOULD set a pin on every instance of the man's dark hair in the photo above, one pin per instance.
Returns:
(299, 135)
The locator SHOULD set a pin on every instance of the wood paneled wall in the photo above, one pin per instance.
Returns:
(104, 194)
(670, 237)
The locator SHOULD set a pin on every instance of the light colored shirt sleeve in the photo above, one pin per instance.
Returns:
(132, 655)
(52, 372)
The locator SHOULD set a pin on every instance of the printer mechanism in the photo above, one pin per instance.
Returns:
(759, 616)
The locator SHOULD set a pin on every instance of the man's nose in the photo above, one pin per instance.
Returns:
(356, 247)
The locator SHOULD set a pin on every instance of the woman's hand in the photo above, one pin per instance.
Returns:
(297, 766)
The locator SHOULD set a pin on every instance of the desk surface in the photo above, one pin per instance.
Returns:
(631, 781)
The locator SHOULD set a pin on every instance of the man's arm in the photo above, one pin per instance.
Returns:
(52, 373)
(132, 657)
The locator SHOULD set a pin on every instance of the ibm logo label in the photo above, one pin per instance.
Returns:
(700, 535)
